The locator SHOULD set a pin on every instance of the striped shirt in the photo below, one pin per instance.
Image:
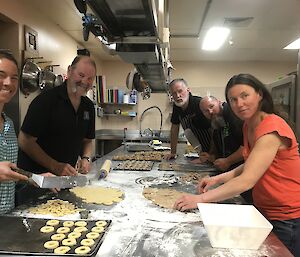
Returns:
(8, 152)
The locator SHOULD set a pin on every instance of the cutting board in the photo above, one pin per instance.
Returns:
(173, 166)
(15, 238)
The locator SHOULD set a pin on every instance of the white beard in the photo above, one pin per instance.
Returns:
(218, 122)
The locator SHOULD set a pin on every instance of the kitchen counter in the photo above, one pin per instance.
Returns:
(140, 228)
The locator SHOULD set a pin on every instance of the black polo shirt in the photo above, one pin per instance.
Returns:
(193, 118)
(59, 129)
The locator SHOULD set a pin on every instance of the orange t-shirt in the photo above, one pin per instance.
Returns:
(277, 193)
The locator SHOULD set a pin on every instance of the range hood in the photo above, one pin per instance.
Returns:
(137, 28)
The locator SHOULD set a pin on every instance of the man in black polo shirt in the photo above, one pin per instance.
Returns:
(187, 113)
(60, 125)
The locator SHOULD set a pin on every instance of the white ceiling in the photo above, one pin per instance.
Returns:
(275, 24)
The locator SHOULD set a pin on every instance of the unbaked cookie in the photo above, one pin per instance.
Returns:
(74, 235)
(69, 241)
(62, 249)
(92, 235)
(58, 237)
(51, 245)
(52, 222)
(101, 223)
(98, 229)
(47, 229)
(80, 223)
(80, 229)
(63, 230)
(82, 250)
(87, 242)
(68, 223)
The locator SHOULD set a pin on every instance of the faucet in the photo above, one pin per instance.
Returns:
(161, 119)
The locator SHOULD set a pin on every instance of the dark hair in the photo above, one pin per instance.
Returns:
(266, 104)
(175, 81)
(6, 54)
(79, 57)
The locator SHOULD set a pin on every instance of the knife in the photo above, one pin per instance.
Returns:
(54, 181)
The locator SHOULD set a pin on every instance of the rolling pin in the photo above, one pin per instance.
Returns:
(105, 169)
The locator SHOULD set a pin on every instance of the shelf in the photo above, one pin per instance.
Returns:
(117, 115)
(117, 103)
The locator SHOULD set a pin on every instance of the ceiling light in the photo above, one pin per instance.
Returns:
(214, 38)
(294, 45)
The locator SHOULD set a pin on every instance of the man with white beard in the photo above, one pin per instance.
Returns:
(187, 113)
(60, 125)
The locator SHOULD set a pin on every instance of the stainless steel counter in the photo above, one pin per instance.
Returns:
(140, 228)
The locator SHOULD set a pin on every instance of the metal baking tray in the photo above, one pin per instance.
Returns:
(23, 239)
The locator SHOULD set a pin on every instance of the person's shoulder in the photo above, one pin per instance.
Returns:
(86, 100)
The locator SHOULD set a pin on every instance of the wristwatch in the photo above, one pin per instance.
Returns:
(87, 158)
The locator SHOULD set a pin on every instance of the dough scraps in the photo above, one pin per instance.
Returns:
(98, 195)
(162, 197)
(55, 207)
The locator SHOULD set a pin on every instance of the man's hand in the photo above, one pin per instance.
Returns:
(64, 169)
(187, 202)
(222, 164)
(83, 166)
(6, 174)
(170, 156)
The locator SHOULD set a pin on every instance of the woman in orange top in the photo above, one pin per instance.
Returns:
(271, 165)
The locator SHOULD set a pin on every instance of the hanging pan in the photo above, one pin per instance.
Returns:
(30, 77)
(47, 79)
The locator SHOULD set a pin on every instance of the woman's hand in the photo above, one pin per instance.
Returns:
(7, 174)
(187, 202)
(205, 183)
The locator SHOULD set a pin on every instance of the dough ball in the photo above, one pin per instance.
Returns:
(51, 245)
(47, 229)
(62, 249)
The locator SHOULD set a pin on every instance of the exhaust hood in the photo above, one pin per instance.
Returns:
(136, 27)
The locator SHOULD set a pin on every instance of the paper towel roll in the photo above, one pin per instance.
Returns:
(105, 168)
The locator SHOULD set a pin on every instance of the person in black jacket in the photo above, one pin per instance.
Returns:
(186, 113)
(227, 135)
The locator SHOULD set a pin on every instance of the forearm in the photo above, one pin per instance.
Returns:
(174, 138)
(225, 177)
(235, 157)
(87, 148)
(29, 145)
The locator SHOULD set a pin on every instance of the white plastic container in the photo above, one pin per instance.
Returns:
(234, 226)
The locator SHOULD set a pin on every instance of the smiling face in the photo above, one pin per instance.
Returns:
(244, 101)
(9, 80)
(180, 94)
(81, 76)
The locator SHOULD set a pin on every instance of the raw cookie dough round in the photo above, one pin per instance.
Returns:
(82, 250)
(63, 230)
(101, 223)
(87, 242)
(68, 223)
(52, 222)
(98, 229)
(80, 223)
(80, 229)
(62, 249)
(47, 229)
(58, 237)
(74, 235)
(69, 241)
(92, 235)
(51, 245)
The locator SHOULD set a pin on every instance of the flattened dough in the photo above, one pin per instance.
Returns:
(98, 195)
(162, 197)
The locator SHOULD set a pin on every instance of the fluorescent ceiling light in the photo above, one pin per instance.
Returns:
(294, 45)
(214, 38)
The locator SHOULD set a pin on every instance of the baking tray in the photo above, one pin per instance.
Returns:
(134, 165)
(173, 166)
(18, 239)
